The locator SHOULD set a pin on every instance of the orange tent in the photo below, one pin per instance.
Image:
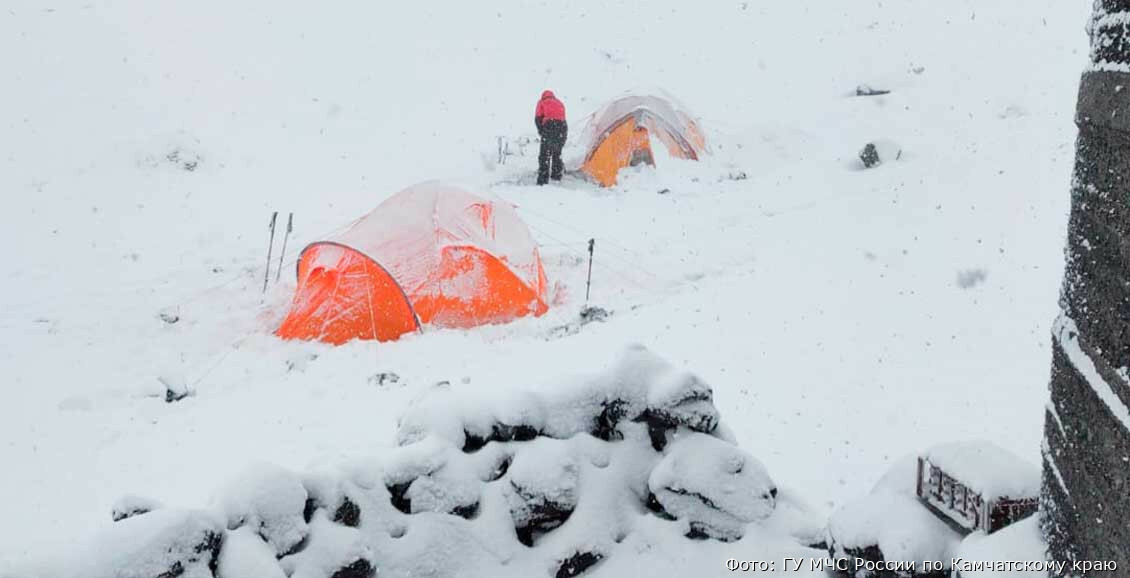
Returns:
(619, 135)
(431, 254)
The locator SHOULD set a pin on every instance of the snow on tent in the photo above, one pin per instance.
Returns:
(619, 135)
(430, 254)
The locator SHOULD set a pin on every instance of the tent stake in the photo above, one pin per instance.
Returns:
(271, 245)
(282, 255)
(588, 282)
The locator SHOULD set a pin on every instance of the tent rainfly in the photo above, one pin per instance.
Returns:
(432, 254)
(619, 135)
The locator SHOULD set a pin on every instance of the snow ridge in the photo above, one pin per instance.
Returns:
(1050, 460)
(1067, 333)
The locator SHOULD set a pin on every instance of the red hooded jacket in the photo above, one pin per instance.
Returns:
(549, 108)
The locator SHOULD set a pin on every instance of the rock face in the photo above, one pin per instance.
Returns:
(1086, 478)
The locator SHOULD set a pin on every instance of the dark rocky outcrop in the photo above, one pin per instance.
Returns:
(867, 90)
(348, 513)
(1086, 481)
(360, 568)
(578, 563)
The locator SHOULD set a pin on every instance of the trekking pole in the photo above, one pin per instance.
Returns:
(588, 282)
(282, 255)
(271, 245)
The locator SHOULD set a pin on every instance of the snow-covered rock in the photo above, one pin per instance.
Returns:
(1021, 542)
(444, 413)
(543, 487)
(878, 152)
(131, 505)
(714, 487)
(333, 551)
(640, 386)
(868, 90)
(443, 494)
(540, 481)
(271, 501)
(168, 542)
(448, 546)
(679, 398)
(890, 524)
(794, 517)
(176, 387)
(246, 555)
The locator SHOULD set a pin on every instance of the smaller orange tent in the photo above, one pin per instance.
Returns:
(619, 135)
(430, 254)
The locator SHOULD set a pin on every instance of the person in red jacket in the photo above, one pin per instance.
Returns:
(550, 120)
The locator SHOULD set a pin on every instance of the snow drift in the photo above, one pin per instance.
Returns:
(538, 482)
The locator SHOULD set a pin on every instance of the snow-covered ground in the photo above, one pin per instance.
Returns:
(843, 317)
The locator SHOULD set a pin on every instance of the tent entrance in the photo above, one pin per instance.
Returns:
(342, 294)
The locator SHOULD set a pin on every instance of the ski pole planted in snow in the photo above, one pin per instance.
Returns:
(282, 255)
(271, 245)
(588, 282)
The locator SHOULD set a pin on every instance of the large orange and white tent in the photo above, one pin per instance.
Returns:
(431, 254)
(619, 135)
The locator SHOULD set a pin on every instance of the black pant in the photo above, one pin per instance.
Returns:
(553, 135)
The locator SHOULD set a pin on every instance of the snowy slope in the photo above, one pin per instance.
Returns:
(822, 302)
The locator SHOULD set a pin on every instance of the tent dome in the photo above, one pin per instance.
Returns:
(619, 134)
(430, 254)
